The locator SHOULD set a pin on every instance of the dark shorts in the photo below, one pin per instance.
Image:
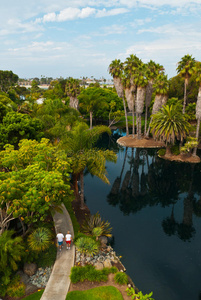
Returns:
(60, 243)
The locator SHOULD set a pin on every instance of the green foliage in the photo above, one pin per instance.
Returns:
(88, 272)
(39, 239)
(11, 252)
(79, 235)
(175, 149)
(37, 181)
(87, 246)
(7, 79)
(47, 258)
(190, 111)
(97, 232)
(102, 292)
(161, 152)
(189, 145)
(68, 205)
(95, 221)
(138, 296)
(16, 126)
(121, 278)
(16, 288)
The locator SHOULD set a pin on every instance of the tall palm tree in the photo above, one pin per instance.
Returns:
(197, 70)
(79, 145)
(72, 90)
(161, 87)
(140, 79)
(116, 69)
(153, 70)
(169, 124)
(130, 68)
(184, 69)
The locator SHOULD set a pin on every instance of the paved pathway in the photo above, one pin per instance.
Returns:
(59, 281)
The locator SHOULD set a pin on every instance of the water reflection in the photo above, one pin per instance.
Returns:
(151, 181)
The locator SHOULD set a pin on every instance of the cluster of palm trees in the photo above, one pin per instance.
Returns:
(137, 83)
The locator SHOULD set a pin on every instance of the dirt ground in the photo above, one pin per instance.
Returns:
(129, 141)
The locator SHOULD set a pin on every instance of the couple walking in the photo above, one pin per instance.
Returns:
(60, 239)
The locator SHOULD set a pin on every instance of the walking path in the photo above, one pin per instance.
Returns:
(59, 281)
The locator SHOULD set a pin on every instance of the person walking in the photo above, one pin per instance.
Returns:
(68, 240)
(60, 238)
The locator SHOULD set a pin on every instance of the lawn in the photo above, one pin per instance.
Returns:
(99, 293)
(35, 296)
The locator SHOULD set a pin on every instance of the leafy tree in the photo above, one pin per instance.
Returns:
(184, 69)
(16, 126)
(33, 182)
(7, 79)
(11, 252)
(169, 124)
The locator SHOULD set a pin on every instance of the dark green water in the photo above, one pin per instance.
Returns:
(154, 207)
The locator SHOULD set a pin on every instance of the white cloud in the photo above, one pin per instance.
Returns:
(112, 12)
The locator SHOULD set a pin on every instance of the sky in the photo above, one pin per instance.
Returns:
(80, 38)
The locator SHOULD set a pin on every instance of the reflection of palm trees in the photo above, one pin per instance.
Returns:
(169, 225)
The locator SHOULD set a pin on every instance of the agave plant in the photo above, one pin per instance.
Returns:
(86, 246)
(97, 232)
(39, 239)
(95, 221)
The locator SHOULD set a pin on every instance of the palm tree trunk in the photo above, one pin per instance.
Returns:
(197, 136)
(184, 104)
(82, 190)
(140, 126)
(133, 115)
(137, 124)
(75, 186)
(90, 114)
(126, 117)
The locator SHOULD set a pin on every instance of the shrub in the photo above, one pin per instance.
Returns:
(175, 149)
(39, 239)
(161, 152)
(47, 258)
(121, 278)
(16, 288)
(90, 273)
(95, 221)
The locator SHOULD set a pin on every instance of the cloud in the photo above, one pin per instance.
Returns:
(112, 12)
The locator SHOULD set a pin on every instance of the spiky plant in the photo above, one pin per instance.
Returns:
(39, 239)
(95, 221)
(86, 246)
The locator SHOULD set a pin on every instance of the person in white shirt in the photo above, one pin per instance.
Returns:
(68, 240)
(60, 238)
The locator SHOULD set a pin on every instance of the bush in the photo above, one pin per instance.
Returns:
(175, 149)
(48, 257)
(90, 273)
(16, 288)
(161, 152)
(121, 278)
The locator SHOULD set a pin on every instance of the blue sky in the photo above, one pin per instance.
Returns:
(81, 37)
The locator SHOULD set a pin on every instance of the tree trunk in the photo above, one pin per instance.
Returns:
(197, 136)
(82, 190)
(184, 104)
(90, 114)
(75, 186)
(126, 117)
(140, 127)
(149, 91)
(133, 116)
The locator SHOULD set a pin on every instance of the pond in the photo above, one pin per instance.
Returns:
(154, 208)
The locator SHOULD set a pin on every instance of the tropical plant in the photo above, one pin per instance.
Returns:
(168, 125)
(86, 246)
(72, 90)
(11, 252)
(197, 70)
(184, 69)
(79, 145)
(39, 239)
(138, 296)
(95, 221)
(116, 70)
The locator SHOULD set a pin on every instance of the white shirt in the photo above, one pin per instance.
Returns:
(68, 237)
(60, 237)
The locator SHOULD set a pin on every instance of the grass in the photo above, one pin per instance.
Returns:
(35, 296)
(99, 293)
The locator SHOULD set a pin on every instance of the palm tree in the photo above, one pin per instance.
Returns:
(79, 145)
(153, 70)
(91, 99)
(184, 69)
(72, 90)
(130, 68)
(197, 70)
(161, 87)
(116, 69)
(140, 79)
(169, 124)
